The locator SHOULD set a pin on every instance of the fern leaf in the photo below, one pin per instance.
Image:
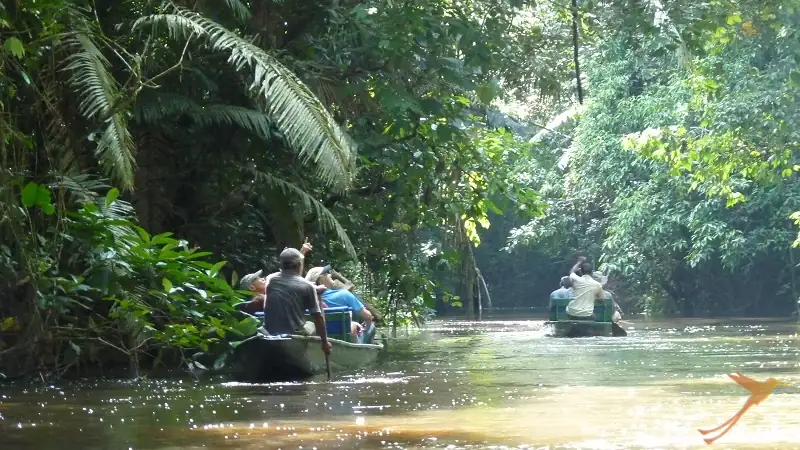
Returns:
(98, 92)
(297, 113)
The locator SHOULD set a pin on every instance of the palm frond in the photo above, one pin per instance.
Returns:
(310, 204)
(240, 10)
(155, 110)
(98, 93)
(252, 120)
(82, 187)
(117, 210)
(298, 114)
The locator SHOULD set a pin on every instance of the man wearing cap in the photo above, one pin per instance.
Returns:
(256, 284)
(289, 296)
(342, 297)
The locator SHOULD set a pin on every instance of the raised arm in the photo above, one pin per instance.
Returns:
(573, 273)
(306, 248)
(577, 265)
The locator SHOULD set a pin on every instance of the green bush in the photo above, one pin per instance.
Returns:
(102, 284)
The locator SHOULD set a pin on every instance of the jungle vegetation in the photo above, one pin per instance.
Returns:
(153, 152)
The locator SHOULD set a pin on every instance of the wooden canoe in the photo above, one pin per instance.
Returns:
(561, 325)
(264, 358)
(578, 328)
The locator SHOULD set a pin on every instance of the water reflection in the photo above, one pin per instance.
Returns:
(453, 385)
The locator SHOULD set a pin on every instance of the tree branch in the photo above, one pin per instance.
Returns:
(177, 65)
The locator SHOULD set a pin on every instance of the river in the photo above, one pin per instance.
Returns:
(454, 384)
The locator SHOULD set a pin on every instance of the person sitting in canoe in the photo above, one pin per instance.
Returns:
(257, 284)
(563, 292)
(602, 279)
(343, 297)
(616, 330)
(340, 282)
(565, 289)
(289, 296)
(585, 290)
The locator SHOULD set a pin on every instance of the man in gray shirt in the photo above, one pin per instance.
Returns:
(289, 295)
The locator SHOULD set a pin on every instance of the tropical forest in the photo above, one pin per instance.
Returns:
(438, 152)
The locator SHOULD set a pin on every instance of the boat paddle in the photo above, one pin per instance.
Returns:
(328, 365)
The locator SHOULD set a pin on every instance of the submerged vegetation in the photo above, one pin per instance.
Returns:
(154, 150)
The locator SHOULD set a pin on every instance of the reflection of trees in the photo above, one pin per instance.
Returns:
(522, 362)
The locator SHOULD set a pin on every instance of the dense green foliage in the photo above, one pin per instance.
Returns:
(680, 178)
(375, 128)
(242, 127)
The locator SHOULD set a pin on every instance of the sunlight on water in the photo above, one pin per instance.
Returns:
(454, 385)
(359, 380)
(567, 418)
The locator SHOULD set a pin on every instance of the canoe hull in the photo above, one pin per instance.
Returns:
(295, 357)
(584, 328)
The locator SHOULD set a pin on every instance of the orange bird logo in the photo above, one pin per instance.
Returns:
(758, 393)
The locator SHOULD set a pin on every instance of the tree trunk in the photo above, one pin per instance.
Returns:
(575, 20)
(468, 272)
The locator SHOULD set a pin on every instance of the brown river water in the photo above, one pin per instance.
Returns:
(496, 384)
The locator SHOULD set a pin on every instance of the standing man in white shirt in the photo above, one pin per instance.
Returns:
(585, 290)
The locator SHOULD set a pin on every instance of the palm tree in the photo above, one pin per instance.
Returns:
(156, 54)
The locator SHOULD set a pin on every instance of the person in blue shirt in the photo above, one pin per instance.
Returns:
(334, 297)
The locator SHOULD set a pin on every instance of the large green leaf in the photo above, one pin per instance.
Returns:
(37, 195)
(247, 326)
(14, 46)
